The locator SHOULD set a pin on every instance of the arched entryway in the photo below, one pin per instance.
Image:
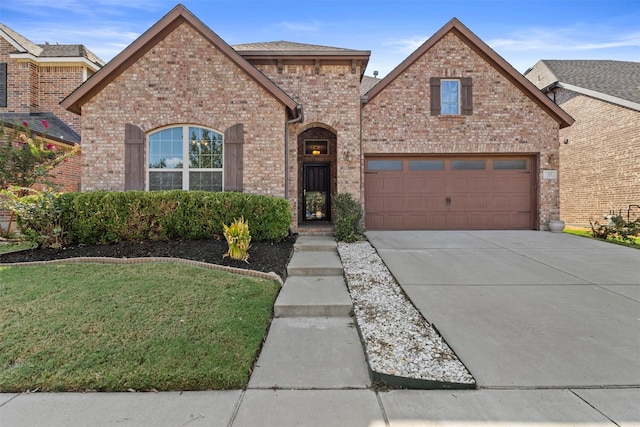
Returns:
(317, 176)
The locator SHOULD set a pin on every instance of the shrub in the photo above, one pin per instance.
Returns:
(616, 229)
(349, 224)
(238, 238)
(103, 216)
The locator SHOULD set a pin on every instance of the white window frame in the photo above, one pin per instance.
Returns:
(442, 103)
(186, 142)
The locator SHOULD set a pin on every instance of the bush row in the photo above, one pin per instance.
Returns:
(106, 216)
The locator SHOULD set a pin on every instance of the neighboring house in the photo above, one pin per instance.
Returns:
(453, 138)
(34, 78)
(600, 153)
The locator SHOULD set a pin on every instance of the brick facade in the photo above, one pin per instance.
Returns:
(600, 164)
(331, 99)
(504, 119)
(184, 79)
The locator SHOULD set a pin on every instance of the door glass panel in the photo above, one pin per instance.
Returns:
(467, 164)
(384, 165)
(509, 164)
(426, 165)
(315, 205)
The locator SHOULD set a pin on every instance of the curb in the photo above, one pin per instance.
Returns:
(123, 261)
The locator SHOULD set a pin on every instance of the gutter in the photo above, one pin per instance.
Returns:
(298, 119)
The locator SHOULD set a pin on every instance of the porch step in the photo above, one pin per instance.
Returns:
(325, 229)
(316, 243)
(313, 296)
(315, 263)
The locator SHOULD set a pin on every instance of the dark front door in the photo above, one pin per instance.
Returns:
(316, 194)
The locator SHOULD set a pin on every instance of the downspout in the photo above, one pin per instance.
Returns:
(363, 100)
(298, 119)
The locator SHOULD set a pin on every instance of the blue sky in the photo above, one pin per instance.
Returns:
(521, 31)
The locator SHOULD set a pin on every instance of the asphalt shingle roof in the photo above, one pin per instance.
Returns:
(616, 78)
(57, 129)
(367, 84)
(51, 50)
(285, 46)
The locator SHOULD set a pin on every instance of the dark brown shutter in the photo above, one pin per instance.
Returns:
(467, 96)
(434, 82)
(3, 84)
(233, 146)
(134, 171)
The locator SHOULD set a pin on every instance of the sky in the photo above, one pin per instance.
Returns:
(521, 31)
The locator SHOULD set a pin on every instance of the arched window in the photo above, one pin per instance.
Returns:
(185, 158)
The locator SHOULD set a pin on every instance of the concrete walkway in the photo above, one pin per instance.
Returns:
(312, 372)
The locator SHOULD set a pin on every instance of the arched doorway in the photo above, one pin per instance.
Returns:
(317, 176)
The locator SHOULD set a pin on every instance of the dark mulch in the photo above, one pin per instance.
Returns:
(263, 256)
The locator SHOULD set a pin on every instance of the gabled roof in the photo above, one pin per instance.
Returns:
(489, 55)
(612, 81)
(57, 130)
(178, 15)
(367, 84)
(49, 52)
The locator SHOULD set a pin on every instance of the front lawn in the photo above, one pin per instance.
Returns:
(80, 327)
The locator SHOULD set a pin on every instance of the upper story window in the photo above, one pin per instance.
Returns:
(185, 158)
(451, 96)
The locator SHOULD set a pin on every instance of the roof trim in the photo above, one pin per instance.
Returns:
(489, 55)
(56, 60)
(178, 15)
(595, 94)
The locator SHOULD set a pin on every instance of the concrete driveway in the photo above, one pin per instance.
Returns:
(525, 308)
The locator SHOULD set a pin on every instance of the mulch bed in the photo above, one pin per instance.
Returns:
(263, 256)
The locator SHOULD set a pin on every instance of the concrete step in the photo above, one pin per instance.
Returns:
(309, 296)
(315, 263)
(316, 243)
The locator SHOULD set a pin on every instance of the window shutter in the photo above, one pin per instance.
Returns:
(233, 149)
(467, 96)
(435, 95)
(134, 171)
(3, 84)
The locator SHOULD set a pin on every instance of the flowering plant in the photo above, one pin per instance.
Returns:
(26, 160)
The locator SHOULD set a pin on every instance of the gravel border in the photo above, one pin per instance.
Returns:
(398, 341)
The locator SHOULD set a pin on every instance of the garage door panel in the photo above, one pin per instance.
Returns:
(448, 197)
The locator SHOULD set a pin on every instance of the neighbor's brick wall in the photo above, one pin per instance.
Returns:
(331, 100)
(54, 84)
(183, 79)
(504, 119)
(600, 166)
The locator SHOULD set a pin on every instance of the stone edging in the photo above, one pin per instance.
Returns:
(122, 261)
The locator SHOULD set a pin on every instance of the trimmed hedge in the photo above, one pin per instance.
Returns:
(107, 216)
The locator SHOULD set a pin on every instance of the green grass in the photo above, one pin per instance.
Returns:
(589, 234)
(77, 327)
(13, 247)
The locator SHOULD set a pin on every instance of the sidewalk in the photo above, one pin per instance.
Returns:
(312, 372)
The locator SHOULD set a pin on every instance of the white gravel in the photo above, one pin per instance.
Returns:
(398, 340)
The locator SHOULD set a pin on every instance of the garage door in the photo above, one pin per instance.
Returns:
(411, 193)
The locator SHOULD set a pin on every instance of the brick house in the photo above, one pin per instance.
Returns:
(600, 153)
(181, 109)
(34, 78)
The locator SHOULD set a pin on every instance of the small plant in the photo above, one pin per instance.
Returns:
(238, 238)
(349, 225)
(616, 229)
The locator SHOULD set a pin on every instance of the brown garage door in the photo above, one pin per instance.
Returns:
(411, 193)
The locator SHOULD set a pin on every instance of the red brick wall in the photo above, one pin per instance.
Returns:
(600, 166)
(331, 100)
(19, 81)
(54, 84)
(504, 119)
(184, 79)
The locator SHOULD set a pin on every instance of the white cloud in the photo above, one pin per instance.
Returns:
(299, 26)
(406, 45)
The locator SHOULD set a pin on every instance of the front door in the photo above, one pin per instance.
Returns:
(316, 192)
